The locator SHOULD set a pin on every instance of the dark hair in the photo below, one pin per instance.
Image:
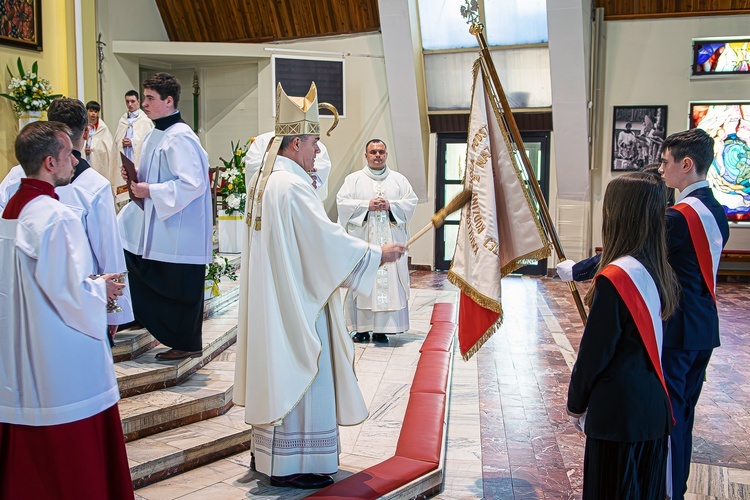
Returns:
(375, 140)
(38, 140)
(165, 85)
(694, 143)
(634, 224)
(70, 112)
(93, 105)
(133, 93)
(287, 140)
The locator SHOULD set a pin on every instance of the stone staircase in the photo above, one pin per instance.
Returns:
(179, 415)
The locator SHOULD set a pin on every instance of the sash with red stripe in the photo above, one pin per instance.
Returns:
(638, 290)
(706, 237)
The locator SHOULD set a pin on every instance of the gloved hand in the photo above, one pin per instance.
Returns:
(565, 270)
(578, 422)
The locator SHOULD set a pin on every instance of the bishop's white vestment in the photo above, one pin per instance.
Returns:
(295, 360)
(386, 309)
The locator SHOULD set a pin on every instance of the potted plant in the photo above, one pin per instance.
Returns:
(30, 93)
(232, 190)
(217, 269)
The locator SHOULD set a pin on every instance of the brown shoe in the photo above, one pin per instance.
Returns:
(174, 354)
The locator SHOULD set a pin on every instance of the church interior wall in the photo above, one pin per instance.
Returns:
(57, 63)
(648, 63)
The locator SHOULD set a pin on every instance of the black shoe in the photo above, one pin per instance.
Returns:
(252, 463)
(302, 481)
(361, 337)
(380, 338)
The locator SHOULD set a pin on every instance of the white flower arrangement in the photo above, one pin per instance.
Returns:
(233, 179)
(28, 91)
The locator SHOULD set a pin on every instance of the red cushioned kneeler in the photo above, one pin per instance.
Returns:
(439, 338)
(432, 372)
(378, 480)
(443, 311)
(422, 432)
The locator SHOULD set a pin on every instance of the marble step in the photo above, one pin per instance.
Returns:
(205, 394)
(145, 373)
(131, 343)
(175, 451)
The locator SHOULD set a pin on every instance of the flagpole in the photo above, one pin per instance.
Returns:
(476, 29)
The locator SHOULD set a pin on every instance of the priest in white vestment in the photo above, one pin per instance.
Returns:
(376, 204)
(168, 242)
(99, 146)
(257, 152)
(294, 371)
(130, 136)
(89, 195)
(60, 428)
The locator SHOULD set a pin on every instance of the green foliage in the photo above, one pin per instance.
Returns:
(29, 91)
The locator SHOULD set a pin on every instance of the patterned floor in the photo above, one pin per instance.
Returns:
(528, 448)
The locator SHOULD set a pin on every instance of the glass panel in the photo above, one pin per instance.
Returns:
(534, 151)
(451, 190)
(450, 235)
(514, 22)
(455, 161)
(524, 73)
(442, 25)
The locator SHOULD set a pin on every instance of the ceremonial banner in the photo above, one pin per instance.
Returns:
(499, 230)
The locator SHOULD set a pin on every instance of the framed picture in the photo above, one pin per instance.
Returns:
(21, 24)
(296, 73)
(721, 56)
(637, 135)
(728, 122)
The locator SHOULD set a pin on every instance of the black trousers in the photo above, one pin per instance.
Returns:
(168, 300)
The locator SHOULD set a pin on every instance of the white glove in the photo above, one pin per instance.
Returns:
(578, 422)
(565, 270)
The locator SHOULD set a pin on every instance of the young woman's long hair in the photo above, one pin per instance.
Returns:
(633, 224)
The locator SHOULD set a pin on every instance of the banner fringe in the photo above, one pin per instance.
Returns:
(482, 300)
(484, 338)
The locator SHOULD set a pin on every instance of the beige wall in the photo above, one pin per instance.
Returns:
(648, 62)
(57, 63)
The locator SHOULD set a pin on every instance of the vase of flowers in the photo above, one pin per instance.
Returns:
(29, 93)
(232, 190)
(217, 269)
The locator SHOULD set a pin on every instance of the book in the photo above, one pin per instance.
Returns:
(132, 177)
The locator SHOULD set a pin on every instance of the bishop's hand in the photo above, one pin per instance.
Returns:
(392, 252)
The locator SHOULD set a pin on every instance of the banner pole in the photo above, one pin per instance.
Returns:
(477, 29)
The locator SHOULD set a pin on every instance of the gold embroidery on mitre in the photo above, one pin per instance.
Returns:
(297, 115)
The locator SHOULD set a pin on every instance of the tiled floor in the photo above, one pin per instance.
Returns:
(508, 435)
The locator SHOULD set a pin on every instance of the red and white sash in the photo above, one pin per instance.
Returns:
(638, 290)
(706, 236)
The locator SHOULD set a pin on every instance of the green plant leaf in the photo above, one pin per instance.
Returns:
(8, 97)
(35, 68)
(20, 68)
(9, 71)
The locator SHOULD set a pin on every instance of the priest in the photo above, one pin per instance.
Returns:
(294, 372)
(60, 429)
(130, 138)
(168, 241)
(376, 204)
(99, 145)
(89, 195)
